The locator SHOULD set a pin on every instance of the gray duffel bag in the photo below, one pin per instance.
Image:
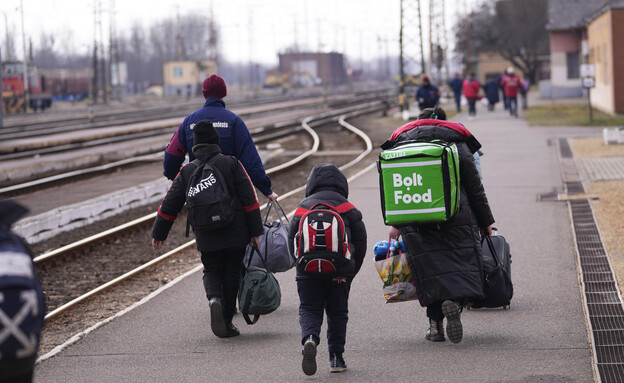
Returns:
(273, 243)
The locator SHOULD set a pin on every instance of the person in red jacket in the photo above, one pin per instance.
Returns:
(511, 84)
(471, 88)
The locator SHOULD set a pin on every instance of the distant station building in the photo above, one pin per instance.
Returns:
(184, 78)
(493, 65)
(309, 69)
(605, 34)
(569, 43)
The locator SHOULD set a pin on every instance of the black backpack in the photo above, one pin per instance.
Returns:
(322, 246)
(208, 203)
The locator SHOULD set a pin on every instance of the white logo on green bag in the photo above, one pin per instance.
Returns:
(413, 180)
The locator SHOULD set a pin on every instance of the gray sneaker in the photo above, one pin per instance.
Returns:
(308, 364)
(452, 312)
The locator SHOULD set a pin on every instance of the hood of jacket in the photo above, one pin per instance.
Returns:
(327, 177)
(440, 129)
(203, 152)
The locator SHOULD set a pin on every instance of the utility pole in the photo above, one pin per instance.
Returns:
(115, 75)
(94, 86)
(402, 99)
(26, 86)
(431, 51)
(411, 43)
(102, 56)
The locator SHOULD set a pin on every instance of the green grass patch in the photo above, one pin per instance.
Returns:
(570, 115)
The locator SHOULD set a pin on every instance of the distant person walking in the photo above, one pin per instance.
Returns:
(511, 84)
(223, 247)
(456, 86)
(471, 88)
(427, 95)
(491, 92)
(524, 91)
(502, 91)
(235, 139)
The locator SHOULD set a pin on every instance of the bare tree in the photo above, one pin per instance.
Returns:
(46, 56)
(516, 29)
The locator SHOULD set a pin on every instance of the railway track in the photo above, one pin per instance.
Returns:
(182, 252)
(261, 134)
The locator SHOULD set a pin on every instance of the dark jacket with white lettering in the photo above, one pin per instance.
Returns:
(22, 300)
(234, 140)
(247, 220)
(327, 184)
(446, 258)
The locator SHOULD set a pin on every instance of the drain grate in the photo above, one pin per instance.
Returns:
(564, 148)
(574, 188)
(611, 372)
(605, 312)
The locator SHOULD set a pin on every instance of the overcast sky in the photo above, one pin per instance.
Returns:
(359, 28)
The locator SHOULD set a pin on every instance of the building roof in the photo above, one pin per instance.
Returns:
(574, 14)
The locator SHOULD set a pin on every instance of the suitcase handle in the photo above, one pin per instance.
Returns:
(488, 239)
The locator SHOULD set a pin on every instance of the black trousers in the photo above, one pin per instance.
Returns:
(319, 296)
(472, 109)
(222, 270)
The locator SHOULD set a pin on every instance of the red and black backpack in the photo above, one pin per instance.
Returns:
(321, 244)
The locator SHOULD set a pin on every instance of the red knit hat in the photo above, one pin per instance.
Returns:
(214, 87)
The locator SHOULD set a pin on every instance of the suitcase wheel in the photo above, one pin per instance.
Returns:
(507, 307)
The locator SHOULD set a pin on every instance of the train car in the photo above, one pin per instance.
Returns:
(68, 84)
(13, 94)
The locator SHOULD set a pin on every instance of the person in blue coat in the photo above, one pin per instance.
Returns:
(22, 306)
(456, 86)
(427, 95)
(235, 139)
(490, 88)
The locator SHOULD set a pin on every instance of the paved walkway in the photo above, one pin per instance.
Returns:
(543, 338)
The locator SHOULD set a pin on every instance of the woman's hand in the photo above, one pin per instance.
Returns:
(394, 233)
(486, 231)
(156, 243)
(255, 241)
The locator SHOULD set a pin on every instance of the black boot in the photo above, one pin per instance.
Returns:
(231, 330)
(436, 331)
(217, 323)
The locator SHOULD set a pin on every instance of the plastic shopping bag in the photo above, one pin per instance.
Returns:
(398, 281)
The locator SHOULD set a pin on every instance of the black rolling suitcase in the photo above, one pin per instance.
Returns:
(497, 288)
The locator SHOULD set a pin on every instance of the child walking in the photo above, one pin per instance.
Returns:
(222, 248)
(318, 296)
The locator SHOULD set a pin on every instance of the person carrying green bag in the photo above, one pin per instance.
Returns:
(446, 256)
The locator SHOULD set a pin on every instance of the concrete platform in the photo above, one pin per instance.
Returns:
(543, 338)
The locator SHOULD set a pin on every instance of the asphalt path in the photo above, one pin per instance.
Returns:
(542, 338)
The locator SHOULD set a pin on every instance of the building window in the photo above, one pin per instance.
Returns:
(177, 72)
(574, 65)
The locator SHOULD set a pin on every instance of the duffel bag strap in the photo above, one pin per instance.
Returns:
(247, 302)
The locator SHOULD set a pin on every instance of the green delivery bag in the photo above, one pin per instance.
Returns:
(419, 182)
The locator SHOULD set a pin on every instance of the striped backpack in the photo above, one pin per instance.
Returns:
(321, 244)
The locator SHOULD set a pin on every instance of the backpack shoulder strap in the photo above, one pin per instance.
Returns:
(199, 166)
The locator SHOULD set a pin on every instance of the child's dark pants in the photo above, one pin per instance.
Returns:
(318, 296)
